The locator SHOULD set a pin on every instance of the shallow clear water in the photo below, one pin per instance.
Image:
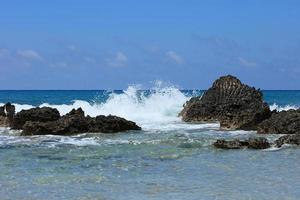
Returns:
(169, 159)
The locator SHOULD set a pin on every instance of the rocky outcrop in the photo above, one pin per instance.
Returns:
(75, 122)
(230, 102)
(251, 143)
(293, 139)
(7, 113)
(232, 144)
(111, 124)
(284, 122)
(44, 114)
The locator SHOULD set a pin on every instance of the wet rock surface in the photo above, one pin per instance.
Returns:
(293, 139)
(251, 143)
(230, 102)
(7, 113)
(284, 122)
(75, 122)
(44, 114)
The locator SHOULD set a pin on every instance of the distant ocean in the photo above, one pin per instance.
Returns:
(168, 159)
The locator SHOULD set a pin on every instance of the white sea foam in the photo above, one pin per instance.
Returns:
(274, 106)
(155, 111)
(161, 106)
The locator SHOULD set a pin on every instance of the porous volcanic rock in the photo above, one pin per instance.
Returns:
(230, 102)
(284, 122)
(251, 143)
(288, 139)
(76, 122)
(44, 114)
(7, 113)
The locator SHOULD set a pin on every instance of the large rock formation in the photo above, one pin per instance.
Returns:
(284, 122)
(251, 143)
(230, 102)
(43, 114)
(76, 122)
(7, 113)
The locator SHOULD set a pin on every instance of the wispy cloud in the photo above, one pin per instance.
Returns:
(174, 57)
(29, 54)
(73, 48)
(246, 62)
(119, 60)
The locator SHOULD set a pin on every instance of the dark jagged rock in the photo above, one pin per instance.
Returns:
(228, 101)
(257, 143)
(233, 144)
(77, 112)
(44, 114)
(7, 113)
(251, 143)
(288, 139)
(284, 122)
(111, 124)
(75, 122)
(71, 123)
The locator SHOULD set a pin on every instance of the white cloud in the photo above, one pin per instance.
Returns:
(119, 60)
(173, 56)
(246, 62)
(29, 54)
(73, 48)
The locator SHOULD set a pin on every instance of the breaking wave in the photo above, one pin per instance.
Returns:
(274, 106)
(156, 109)
(160, 105)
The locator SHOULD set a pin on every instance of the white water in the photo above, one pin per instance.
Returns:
(161, 107)
(274, 106)
(156, 111)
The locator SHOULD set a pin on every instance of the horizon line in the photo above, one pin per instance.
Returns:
(125, 89)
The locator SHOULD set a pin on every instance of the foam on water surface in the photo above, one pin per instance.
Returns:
(156, 111)
(160, 107)
(274, 106)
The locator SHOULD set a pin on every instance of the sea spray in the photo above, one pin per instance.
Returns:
(156, 106)
(274, 106)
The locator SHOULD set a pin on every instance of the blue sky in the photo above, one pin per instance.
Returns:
(97, 44)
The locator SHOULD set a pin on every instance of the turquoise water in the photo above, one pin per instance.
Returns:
(168, 159)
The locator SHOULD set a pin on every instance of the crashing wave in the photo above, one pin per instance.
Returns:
(274, 106)
(160, 105)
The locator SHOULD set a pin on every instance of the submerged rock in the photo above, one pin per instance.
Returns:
(284, 122)
(230, 102)
(44, 114)
(75, 122)
(251, 143)
(7, 113)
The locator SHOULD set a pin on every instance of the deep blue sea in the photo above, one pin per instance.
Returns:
(168, 159)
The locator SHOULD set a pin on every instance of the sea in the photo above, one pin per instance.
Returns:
(167, 159)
